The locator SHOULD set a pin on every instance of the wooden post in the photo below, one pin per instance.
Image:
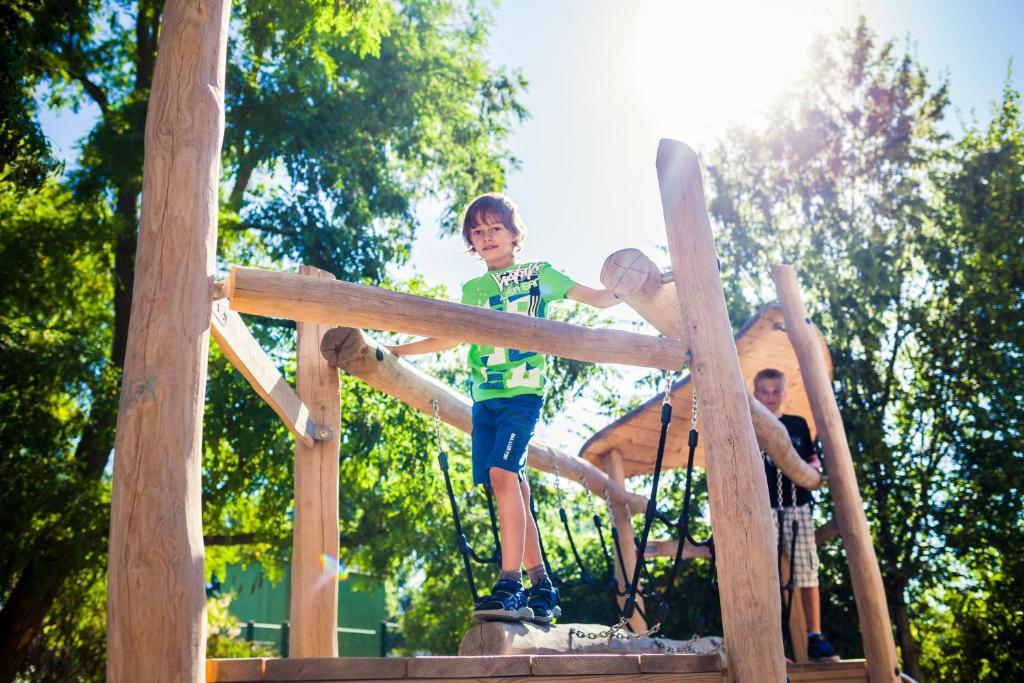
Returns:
(156, 612)
(623, 522)
(314, 606)
(872, 610)
(744, 538)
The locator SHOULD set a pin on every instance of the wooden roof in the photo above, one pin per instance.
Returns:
(762, 343)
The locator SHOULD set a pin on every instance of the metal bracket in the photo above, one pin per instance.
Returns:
(319, 433)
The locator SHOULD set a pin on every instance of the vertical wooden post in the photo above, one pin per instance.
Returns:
(156, 607)
(872, 609)
(623, 523)
(744, 538)
(314, 609)
(797, 619)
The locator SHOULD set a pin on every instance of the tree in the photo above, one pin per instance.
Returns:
(850, 182)
(325, 161)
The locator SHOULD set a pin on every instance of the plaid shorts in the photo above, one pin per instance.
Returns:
(805, 560)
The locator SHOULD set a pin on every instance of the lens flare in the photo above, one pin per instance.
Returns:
(332, 565)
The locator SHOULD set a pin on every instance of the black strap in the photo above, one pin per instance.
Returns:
(650, 514)
(465, 550)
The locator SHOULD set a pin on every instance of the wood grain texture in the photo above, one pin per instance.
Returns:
(235, 670)
(622, 521)
(747, 572)
(680, 664)
(244, 352)
(581, 665)
(869, 593)
(335, 669)
(283, 295)
(355, 353)
(156, 610)
(469, 667)
(314, 595)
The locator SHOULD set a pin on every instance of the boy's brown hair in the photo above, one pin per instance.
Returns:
(768, 373)
(493, 205)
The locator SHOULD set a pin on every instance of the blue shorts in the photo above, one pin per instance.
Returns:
(502, 428)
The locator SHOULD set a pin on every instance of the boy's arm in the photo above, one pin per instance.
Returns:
(427, 345)
(598, 298)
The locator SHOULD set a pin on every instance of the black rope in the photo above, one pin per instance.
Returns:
(465, 550)
(650, 514)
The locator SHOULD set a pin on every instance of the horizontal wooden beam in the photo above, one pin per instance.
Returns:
(244, 352)
(352, 351)
(333, 302)
(668, 547)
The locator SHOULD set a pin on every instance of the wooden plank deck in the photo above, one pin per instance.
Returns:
(512, 669)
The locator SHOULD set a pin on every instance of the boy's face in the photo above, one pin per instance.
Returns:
(771, 392)
(493, 242)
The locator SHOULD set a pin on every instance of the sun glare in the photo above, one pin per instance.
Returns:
(696, 67)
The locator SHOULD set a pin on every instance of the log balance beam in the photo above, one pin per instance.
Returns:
(352, 351)
(333, 302)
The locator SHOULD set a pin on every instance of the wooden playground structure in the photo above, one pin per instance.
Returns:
(156, 606)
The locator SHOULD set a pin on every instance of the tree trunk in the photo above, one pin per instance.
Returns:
(910, 651)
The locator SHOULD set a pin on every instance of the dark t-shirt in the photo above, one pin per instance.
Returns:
(803, 444)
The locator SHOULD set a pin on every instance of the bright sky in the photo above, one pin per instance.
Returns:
(608, 78)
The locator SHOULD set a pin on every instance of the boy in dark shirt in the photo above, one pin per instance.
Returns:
(770, 390)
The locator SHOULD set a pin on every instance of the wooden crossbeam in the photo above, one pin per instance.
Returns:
(244, 352)
(295, 297)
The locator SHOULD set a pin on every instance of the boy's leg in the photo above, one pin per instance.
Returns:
(810, 596)
(511, 518)
(531, 551)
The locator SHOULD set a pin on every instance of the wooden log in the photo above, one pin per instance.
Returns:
(516, 638)
(352, 351)
(622, 520)
(314, 595)
(244, 352)
(156, 610)
(747, 572)
(634, 277)
(869, 593)
(667, 548)
(283, 295)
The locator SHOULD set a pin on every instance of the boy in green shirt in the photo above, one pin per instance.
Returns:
(507, 387)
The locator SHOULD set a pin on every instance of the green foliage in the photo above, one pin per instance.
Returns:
(908, 248)
(340, 116)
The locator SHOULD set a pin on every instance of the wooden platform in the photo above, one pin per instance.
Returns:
(511, 669)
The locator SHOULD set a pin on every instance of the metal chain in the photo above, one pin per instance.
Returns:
(687, 646)
(437, 423)
(590, 498)
(693, 413)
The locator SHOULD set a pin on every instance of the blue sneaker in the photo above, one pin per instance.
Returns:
(543, 600)
(818, 650)
(507, 602)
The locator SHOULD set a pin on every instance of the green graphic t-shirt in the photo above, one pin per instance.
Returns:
(524, 288)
